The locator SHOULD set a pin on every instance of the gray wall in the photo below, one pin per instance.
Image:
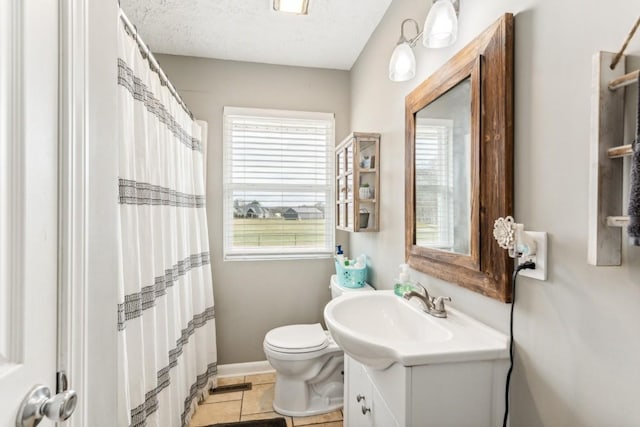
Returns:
(578, 345)
(253, 297)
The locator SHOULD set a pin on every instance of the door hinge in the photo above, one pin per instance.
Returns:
(62, 383)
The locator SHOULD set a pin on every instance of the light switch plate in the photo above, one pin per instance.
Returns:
(540, 258)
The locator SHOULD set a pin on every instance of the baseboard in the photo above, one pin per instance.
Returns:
(249, 368)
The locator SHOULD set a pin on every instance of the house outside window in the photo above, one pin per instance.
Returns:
(278, 184)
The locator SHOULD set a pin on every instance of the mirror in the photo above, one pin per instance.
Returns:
(459, 165)
(443, 172)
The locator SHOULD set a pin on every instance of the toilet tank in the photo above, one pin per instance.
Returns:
(337, 290)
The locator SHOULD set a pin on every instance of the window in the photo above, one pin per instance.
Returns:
(278, 184)
(434, 183)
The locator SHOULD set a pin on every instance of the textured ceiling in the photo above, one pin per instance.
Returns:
(330, 36)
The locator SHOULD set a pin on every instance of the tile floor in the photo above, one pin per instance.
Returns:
(254, 404)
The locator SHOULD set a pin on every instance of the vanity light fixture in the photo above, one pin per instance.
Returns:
(441, 25)
(440, 30)
(299, 7)
(402, 66)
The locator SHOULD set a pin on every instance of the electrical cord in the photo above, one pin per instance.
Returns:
(527, 265)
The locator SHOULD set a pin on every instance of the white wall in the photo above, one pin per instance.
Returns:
(577, 343)
(95, 109)
(253, 297)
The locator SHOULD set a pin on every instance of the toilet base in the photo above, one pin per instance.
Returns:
(315, 408)
(297, 398)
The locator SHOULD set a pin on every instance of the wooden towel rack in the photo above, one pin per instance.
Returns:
(607, 145)
(607, 137)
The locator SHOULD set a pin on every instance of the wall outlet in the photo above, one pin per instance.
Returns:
(540, 257)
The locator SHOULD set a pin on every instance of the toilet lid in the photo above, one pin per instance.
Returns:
(297, 337)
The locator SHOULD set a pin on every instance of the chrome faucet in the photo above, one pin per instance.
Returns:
(432, 306)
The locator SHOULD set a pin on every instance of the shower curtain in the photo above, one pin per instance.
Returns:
(166, 326)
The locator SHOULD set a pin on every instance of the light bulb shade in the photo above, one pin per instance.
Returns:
(441, 25)
(299, 7)
(402, 66)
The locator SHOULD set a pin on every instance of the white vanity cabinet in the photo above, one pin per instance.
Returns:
(451, 394)
(364, 405)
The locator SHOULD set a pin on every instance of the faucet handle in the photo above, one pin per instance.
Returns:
(421, 289)
(438, 303)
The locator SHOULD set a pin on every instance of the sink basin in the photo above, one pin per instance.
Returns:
(379, 329)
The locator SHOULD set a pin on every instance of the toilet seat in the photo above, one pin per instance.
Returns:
(286, 343)
(297, 339)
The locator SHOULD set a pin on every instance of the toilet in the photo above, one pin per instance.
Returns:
(308, 364)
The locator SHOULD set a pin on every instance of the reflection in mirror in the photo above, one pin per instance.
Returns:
(443, 172)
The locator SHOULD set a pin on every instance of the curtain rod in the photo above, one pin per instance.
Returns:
(153, 63)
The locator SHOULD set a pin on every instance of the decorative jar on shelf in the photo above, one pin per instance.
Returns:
(365, 192)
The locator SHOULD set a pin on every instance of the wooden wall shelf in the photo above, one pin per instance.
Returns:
(350, 174)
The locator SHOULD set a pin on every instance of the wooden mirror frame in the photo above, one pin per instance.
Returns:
(488, 60)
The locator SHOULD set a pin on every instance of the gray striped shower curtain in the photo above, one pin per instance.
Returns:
(166, 320)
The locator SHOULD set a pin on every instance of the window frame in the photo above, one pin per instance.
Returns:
(444, 191)
(228, 188)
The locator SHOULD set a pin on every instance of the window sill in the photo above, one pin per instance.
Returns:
(277, 257)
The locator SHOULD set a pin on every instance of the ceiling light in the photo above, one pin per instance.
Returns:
(300, 7)
(440, 30)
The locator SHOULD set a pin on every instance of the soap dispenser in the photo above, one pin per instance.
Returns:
(339, 255)
(403, 284)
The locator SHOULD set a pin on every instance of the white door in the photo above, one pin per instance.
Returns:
(28, 200)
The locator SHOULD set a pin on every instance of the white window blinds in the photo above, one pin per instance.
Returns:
(278, 183)
(434, 184)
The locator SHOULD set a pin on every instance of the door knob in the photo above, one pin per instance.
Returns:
(39, 404)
